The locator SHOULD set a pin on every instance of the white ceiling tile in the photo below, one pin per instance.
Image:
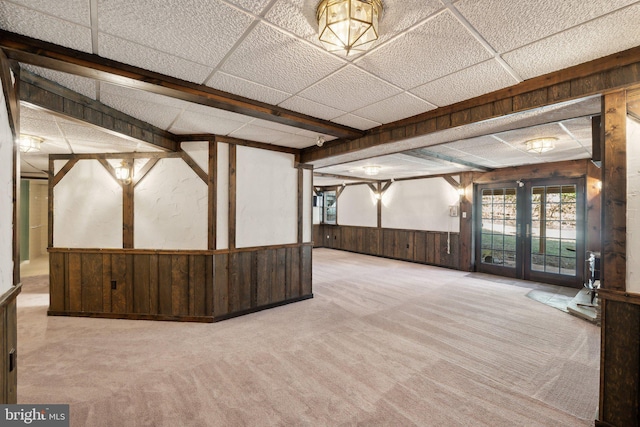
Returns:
(217, 114)
(394, 108)
(296, 141)
(275, 59)
(201, 31)
(45, 27)
(349, 89)
(254, 6)
(34, 165)
(580, 128)
(80, 133)
(519, 137)
(595, 39)
(76, 11)
(150, 59)
(399, 15)
(311, 108)
(507, 25)
(36, 126)
(465, 84)
(252, 132)
(246, 88)
(355, 122)
(296, 16)
(148, 107)
(196, 122)
(439, 47)
(81, 85)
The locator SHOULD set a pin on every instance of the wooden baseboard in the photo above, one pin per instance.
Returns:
(133, 316)
(264, 307)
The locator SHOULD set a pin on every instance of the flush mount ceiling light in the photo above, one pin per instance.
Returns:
(348, 26)
(371, 170)
(30, 143)
(541, 145)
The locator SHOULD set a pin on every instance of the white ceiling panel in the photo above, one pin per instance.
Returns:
(155, 109)
(253, 6)
(507, 25)
(356, 122)
(197, 122)
(81, 85)
(76, 11)
(474, 81)
(311, 108)
(34, 165)
(252, 132)
(150, 59)
(350, 89)
(91, 135)
(400, 15)
(595, 39)
(296, 16)
(200, 31)
(248, 89)
(439, 47)
(266, 50)
(33, 23)
(394, 108)
(296, 141)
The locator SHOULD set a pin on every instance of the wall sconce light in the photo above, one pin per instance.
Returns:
(378, 196)
(320, 141)
(30, 143)
(123, 172)
(598, 185)
(461, 192)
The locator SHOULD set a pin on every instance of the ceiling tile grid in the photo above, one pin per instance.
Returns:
(81, 85)
(266, 50)
(485, 77)
(595, 39)
(33, 23)
(507, 25)
(150, 59)
(439, 47)
(394, 108)
(248, 89)
(254, 6)
(198, 122)
(311, 108)
(356, 122)
(200, 31)
(76, 11)
(349, 89)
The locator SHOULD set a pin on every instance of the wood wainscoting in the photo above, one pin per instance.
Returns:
(198, 286)
(427, 247)
(8, 346)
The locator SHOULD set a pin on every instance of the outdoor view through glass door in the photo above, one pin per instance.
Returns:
(532, 231)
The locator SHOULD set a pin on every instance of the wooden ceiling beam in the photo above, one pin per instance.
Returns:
(596, 77)
(48, 55)
(58, 100)
(343, 177)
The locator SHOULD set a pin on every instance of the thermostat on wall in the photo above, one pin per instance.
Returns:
(453, 210)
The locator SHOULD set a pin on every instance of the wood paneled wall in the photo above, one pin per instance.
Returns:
(427, 247)
(8, 346)
(182, 285)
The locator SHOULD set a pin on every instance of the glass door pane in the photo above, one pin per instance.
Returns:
(498, 234)
(554, 229)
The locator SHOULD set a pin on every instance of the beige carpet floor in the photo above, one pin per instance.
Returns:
(383, 343)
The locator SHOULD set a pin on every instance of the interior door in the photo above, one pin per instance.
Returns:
(532, 231)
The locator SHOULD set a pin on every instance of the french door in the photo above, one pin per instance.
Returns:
(532, 230)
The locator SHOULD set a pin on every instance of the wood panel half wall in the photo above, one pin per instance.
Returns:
(427, 247)
(199, 286)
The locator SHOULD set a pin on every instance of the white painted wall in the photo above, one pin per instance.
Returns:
(170, 208)
(357, 206)
(6, 199)
(633, 206)
(87, 208)
(222, 182)
(421, 204)
(199, 152)
(266, 198)
(307, 193)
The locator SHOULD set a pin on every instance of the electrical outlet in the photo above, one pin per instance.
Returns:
(464, 214)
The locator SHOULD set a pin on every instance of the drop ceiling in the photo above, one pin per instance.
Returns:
(431, 53)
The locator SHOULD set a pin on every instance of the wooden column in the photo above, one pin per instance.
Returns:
(614, 189)
(379, 204)
(213, 194)
(466, 223)
(127, 214)
(620, 342)
(232, 196)
(300, 202)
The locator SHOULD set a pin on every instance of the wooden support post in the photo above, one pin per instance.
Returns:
(213, 194)
(232, 196)
(466, 224)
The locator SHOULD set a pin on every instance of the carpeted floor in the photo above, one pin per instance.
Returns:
(382, 343)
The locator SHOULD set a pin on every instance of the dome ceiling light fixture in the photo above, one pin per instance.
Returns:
(348, 27)
(541, 145)
(371, 170)
(29, 143)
